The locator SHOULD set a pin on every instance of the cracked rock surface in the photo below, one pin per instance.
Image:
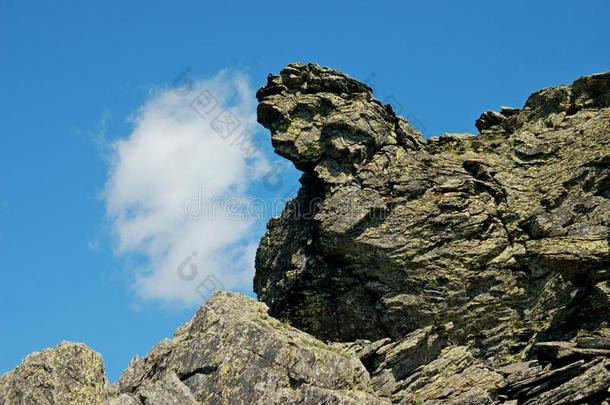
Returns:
(70, 374)
(460, 269)
(233, 352)
(503, 236)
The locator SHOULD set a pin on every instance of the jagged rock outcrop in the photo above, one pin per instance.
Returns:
(504, 235)
(455, 270)
(233, 352)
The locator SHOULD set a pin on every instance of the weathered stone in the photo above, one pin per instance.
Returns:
(70, 374)
(506, 235)
(447, 379)
(460, 269)
(232, 352)
(405, 234)
(578, 382)
(165, 389)
(122, 399)
(395, 361)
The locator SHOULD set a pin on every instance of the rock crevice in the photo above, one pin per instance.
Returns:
(458, 269)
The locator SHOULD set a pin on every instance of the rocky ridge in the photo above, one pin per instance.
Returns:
(455, 270)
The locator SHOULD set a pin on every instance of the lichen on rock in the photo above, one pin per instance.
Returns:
(460, 269)
(505, 235)
(233, 352)
(70, 374)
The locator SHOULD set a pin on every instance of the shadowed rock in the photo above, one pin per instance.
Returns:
(491, 232)
(459, 269)
(504, 235)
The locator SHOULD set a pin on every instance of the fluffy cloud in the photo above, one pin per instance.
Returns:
(173, 184)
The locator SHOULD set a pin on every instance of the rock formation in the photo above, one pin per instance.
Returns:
(459, 269)
(70, 373)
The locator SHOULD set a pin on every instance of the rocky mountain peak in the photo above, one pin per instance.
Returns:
(458, 269)
(321, 116)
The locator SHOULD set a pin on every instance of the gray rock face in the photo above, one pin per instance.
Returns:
(70, 374)
(390, 233)
(232, 352)
(505, 235)
(455, 270)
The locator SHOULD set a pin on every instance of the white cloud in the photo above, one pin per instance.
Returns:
(163, 177)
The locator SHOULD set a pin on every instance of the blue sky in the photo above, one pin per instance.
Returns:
(83, 86)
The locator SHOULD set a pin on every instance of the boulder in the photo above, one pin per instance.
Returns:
(70, 374)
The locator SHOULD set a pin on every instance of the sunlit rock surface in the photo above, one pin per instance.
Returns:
(460, 269)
